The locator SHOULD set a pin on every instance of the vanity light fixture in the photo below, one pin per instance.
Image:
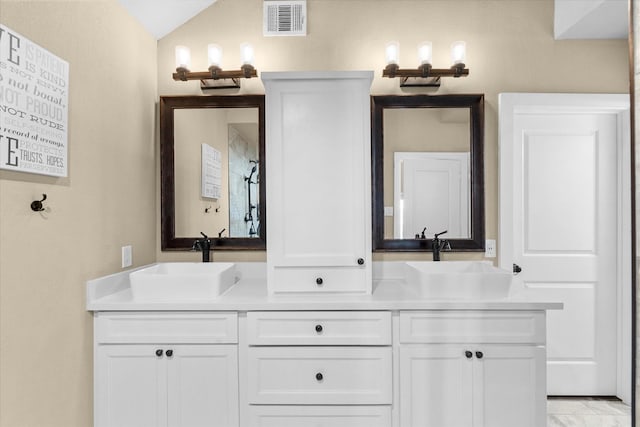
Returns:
(216, 77)
(425, 75)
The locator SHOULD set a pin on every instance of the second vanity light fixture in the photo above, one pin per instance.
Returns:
(425, 75)
(216, 77)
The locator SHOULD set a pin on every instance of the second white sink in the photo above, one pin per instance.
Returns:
(458, 280)
(179, 281)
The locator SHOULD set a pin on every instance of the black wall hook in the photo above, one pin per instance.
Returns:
(36, 205)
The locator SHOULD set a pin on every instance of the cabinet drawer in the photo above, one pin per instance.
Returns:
(319, 280)
(319, 328)
(319, 416)
(319, 375)
(166, 327)
(472, 326)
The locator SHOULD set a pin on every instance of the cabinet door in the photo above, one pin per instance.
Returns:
(435, 386)
(318, 144)
(202, 385)
(509, 386)
(130, 389)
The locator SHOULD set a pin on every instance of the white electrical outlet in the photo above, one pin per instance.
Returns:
(490, 249)
(127, 257)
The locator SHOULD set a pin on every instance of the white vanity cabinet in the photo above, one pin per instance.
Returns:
(319, 368)
(472, 369)
(166, 369)
(318, 147)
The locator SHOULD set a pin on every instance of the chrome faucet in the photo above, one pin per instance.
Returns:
(438, 245)
(205, 245)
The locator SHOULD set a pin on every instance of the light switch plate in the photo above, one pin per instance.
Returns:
(127, 257)
(490, 248)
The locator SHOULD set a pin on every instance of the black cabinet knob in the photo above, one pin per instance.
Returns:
(360, 261)
(319, 281)
(468, 354)
(479, 354)
(159, 353)
(318, 328)
(169, 353)
(319, 376)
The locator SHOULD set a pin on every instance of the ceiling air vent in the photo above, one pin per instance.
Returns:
(285, 18)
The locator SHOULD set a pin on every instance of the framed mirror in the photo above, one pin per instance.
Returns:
(427, 171)
(212, 171)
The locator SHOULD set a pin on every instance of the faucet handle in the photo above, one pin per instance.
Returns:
(440, 234)
(196, 246)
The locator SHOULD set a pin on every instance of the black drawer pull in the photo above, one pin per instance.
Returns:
(360, 261)
(169, 353)
(319, 376)
(319, 281)
(159, 353)
(479, 354)
(468, 354)
(318, 328)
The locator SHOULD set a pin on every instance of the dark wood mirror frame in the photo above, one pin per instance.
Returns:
(168, 105)
(475, 103)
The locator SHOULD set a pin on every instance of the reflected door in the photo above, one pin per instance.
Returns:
(431, 193)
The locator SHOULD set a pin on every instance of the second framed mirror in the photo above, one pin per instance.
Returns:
(428, 172)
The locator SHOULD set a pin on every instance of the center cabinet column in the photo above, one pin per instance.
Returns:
(318, 158)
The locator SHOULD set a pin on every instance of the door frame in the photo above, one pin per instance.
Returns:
(511, 104)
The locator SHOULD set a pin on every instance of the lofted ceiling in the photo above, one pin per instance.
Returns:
(573, 19)
(591, 19)
(160, 17)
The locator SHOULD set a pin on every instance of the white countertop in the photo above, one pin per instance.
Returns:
(113, 293)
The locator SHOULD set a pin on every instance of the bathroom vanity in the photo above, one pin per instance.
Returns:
(247, 358)
(319, 335)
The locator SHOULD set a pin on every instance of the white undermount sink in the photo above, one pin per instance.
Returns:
(179, 281)
(458, 280)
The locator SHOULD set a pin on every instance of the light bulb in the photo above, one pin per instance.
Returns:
(214, 53)
(392, 52)
(183, 57)
(458, 52)
(425, 53)
(246, 54)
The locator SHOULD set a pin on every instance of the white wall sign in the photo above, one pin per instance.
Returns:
(34, 93)
(211, 172)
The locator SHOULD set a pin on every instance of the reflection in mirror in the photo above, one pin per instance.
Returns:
(232, 133)
(427, 155)
(426, 172)
(212, 171)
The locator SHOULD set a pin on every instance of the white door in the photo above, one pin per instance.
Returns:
(446, 176)
(318, 162)
(435, 386)
(131, 387)
(558, 223)
(202, 385)
(509, 388)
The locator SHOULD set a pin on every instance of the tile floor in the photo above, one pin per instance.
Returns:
(587, 412)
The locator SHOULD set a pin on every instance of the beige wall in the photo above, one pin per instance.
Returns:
(510, 48)
(107, 201)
